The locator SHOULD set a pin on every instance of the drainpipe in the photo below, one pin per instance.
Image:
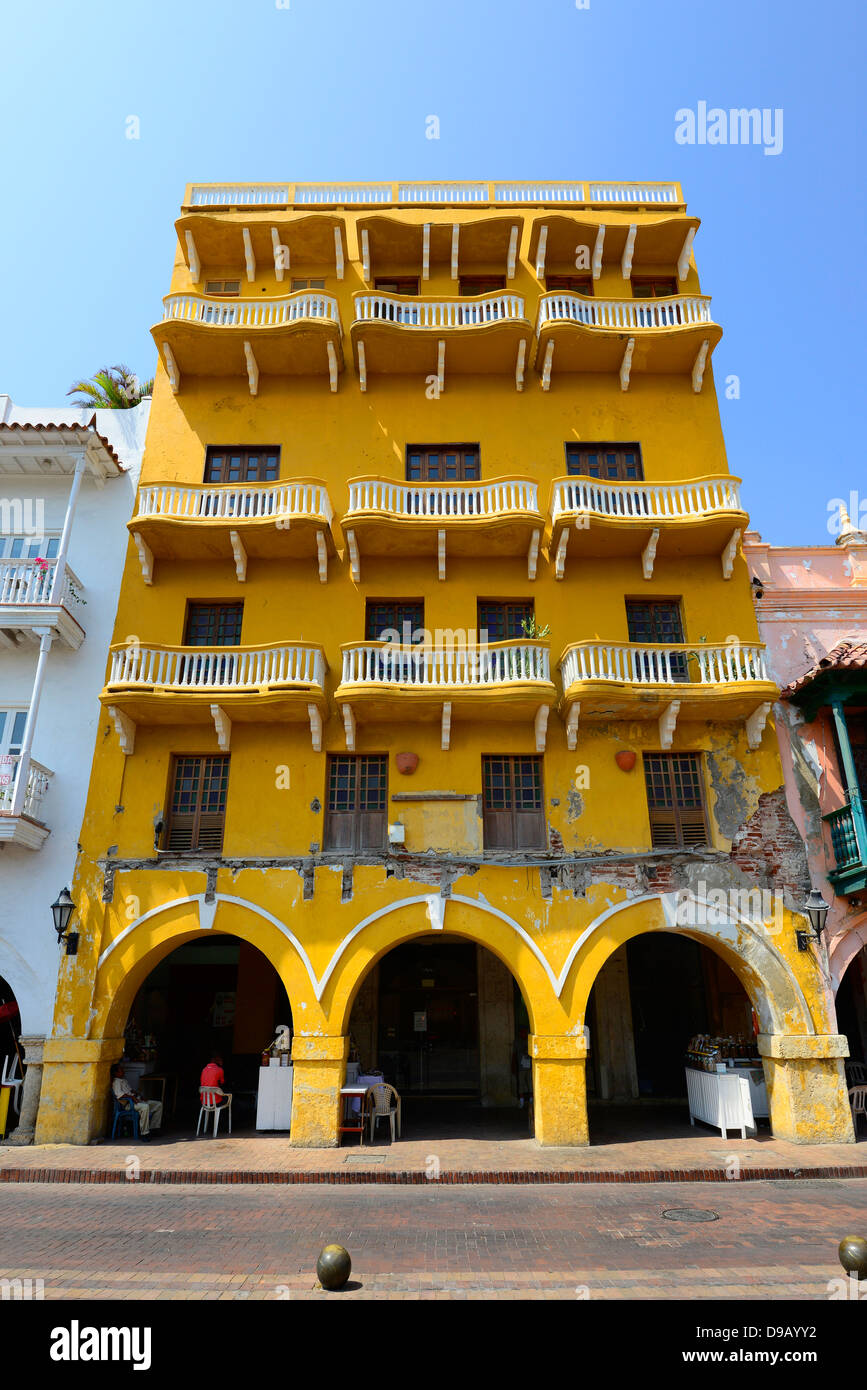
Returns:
(853, 791)
(23, 771)
(60, 563)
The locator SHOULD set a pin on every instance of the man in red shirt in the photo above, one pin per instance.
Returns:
(213, 1078)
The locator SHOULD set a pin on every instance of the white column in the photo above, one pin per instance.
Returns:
(72, 502)
(23, 770)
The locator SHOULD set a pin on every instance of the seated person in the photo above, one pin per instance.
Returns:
(150, 1112)
(213, 1077)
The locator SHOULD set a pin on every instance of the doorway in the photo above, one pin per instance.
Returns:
(428, 1033)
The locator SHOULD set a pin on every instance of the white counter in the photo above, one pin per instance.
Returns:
(721, 1099)
(274, 1110)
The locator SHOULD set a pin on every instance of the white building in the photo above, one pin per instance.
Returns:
(68, 481)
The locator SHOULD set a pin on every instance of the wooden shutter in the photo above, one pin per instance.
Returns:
(512, 809)
(675, 799)
(197, 810)
(355, 812)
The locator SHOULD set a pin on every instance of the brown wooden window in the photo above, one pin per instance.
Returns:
(653, 286)
(213, 624)
(615, 462)
(197, 804)
(442, 463)
(481, 284)
(305, 283)
(225, 464)
(513, 814)
(658, 621)
(501, 620)
(355, 809)
(396, 284)
(675, 799)
(404, 616)
(223, 287)
(575, 284)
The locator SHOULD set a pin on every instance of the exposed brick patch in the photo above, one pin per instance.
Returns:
(769, 847)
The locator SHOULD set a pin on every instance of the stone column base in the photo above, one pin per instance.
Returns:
(806, 1081)
(560, 1090)
(25, 1131)
(320, 1069)
(74, 1106)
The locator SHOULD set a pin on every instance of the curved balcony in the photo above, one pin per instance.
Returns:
(578, 333)
(403, 334)
(668, 520)
(382, 681)
(238, 521)
(33, 597)
(610, 681)
(157, 684)
(499, 518)
(294, 335)
(21, 820)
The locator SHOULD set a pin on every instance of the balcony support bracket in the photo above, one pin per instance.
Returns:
(683, 258)
(441, 365)
(540, 252)
(281, 255)
(171, 369)
(240, 555)
(668, 723)
(124, 727)
(146, 557)
(648, 554)
(728, 555)
(425, 251)
(441, 553)
(193, 258)
(698, 369)
(626, 262)
(519, 365)
(322, 556)
(223, 726)
(456, 232)
(365, 255)
(362, 367)
(755, 726)
(354, 557)
(546, 366)
(252, 369)
(597, 252)
(560, 558)
(332, 364)
(249, 258)
(513, 253)
(338, 253)
(349, 726)
(446, 725)
(533, 554)
(626, 365)
(540, 727)
(572, 727)
(315, 716)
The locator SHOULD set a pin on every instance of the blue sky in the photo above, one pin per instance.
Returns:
(339, 89)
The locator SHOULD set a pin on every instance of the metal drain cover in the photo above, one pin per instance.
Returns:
(690, 1214)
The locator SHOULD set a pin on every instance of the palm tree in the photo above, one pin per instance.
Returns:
(112, 388)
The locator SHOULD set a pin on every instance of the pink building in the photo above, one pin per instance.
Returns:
(812, 610)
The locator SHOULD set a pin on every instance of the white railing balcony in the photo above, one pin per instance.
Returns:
(624, 315)
(656, 502)
(236, 502)
(25, 826)
(212, 670)
(438, 313)
(450, 667)
(631, 193)
(676, 665)
(250, 314)
(443, 502)
(454, 193)
(28, 599)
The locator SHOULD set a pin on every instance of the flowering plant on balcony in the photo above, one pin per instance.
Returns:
(45, 565)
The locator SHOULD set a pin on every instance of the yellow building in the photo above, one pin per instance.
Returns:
(436, 720)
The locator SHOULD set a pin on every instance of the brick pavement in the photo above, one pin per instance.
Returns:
(502, 1156)
(771, 1241)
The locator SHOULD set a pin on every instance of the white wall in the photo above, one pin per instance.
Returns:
(69, 711)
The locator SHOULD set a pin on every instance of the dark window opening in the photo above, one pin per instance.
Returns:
(502, 620)
(355, 808)
(658, 621)
(197, 806)
(575, 284)
(614, 462)
(225, 464)
(513, 814)
(387, 616)
(213, 624)
(443, 463)
(481, 284)
(675, 799)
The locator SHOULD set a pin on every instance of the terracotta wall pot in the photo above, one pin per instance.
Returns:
(625, 759)
(406, 762)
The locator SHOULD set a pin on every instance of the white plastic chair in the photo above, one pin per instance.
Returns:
(382, 1108)
(856, 1074)
(10, 1079)
(210, 1097)
(858, 1101)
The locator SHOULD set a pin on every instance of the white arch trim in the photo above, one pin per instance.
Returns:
(671, 904)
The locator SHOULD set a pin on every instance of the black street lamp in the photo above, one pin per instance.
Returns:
(62, 911)
(816, 911)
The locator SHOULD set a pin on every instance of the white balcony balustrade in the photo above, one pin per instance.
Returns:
(444, 500)
(701, 517)
(236, 502)
(406, 334)
(26, 826)
(660, 665)
(30, 600)
(624, 315)
(438, 313)
(455, 193)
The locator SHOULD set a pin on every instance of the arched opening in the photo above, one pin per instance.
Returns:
(11, 1058)
(213, 995)
(852, 1014)
(444, 1021)
(653, 998)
